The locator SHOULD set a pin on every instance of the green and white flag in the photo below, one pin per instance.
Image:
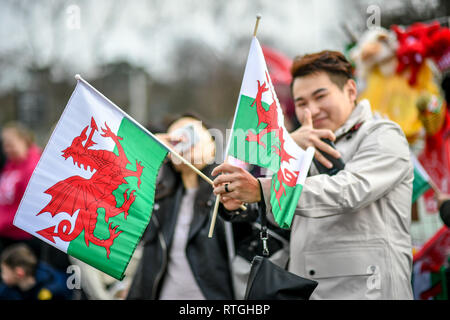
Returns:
(259, 137)
(92, 192)
(421, 179)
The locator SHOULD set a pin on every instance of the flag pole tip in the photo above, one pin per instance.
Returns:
(77, 76)
(258, 17)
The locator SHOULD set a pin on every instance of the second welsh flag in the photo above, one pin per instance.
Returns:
(421, 180)
(92, 193)
(260, 138)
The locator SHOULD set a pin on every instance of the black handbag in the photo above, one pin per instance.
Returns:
(267, 281)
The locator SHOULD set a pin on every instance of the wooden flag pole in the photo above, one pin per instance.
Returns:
(433, 186)
(216, 205)
(214, 217)
(258, 17)
(179, 157)
(201, 174)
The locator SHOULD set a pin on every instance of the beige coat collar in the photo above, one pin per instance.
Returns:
(361, 113)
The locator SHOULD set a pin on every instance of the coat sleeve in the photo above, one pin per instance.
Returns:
(249, 215)
(380, 163)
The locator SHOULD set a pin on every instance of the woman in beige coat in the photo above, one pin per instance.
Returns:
(351, 230)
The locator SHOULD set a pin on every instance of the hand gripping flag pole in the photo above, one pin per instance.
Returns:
(216, 205)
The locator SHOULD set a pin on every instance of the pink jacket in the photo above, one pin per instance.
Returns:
(13, 181)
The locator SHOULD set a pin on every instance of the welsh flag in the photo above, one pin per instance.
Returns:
(435, 158)
(429, 267)
(260, 138)
(91, 194)
(421, 179)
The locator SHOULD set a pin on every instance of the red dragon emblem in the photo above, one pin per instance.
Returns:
(270, 118)
(87, 195)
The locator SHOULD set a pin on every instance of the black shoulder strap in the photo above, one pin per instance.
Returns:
(264, 235)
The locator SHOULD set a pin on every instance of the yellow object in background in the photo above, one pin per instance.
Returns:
(44, 294)
(431, 112)
(393, 97)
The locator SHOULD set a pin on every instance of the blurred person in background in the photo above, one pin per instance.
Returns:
(179, 261)
(2, 154)
(22, 156)
(443, 200)
(26, 278)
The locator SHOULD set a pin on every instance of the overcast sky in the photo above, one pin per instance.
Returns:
(76, 36)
